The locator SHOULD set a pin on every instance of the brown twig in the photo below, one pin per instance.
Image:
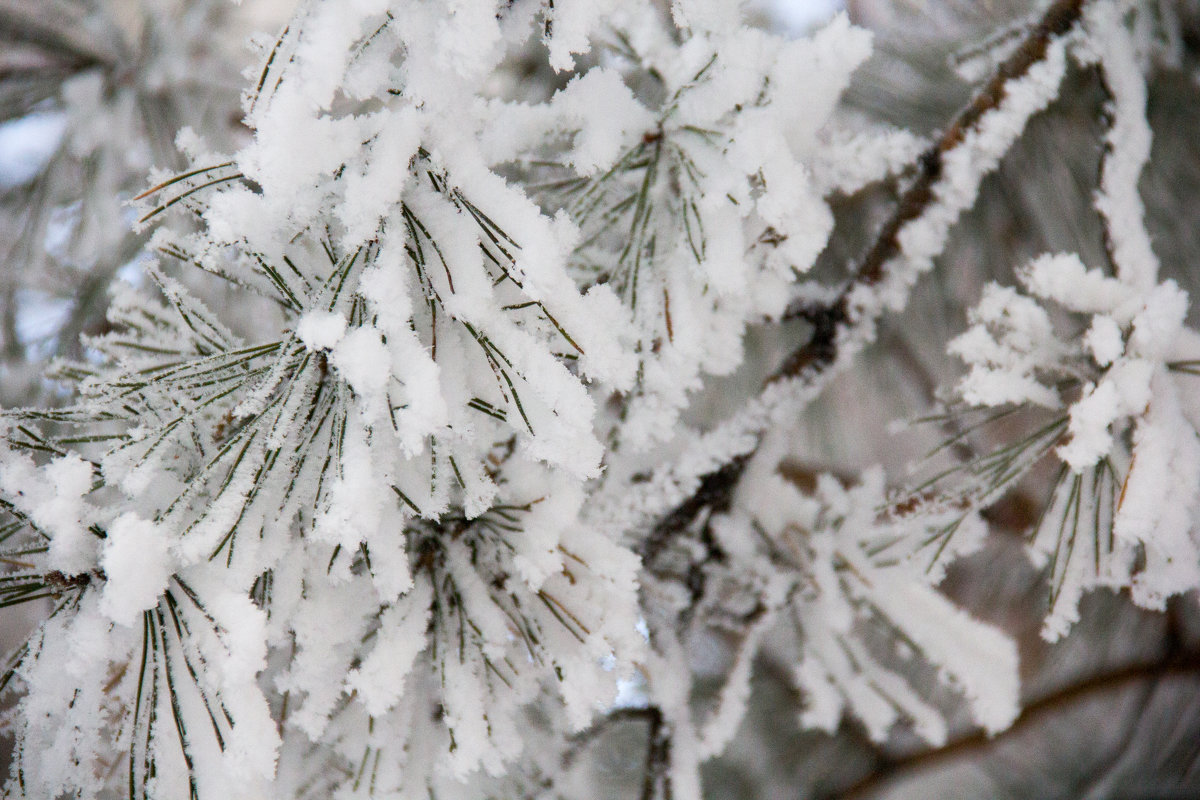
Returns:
(829, 321)
(713, 494)
(889, 771)
(655, 772)
(1108, 117)
(658, 753)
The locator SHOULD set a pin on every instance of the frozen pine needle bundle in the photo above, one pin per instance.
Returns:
(451, 418)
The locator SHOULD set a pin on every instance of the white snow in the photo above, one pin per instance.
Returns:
(321, 330)
(137, 563)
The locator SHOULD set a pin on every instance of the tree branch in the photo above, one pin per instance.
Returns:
(715, 493)
(658, 753)
(830, 323)
(889, 771)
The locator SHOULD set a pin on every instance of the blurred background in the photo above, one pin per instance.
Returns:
(93, 94)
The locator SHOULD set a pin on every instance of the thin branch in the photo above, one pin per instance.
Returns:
(1108, 118)
(658, 751)
(1125, 677)
(617, 716)
(655, 771)
(14, 351)
(831, 323)
(831, 320)
(715, 493)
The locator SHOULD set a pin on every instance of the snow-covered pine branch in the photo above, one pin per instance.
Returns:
(396, 471)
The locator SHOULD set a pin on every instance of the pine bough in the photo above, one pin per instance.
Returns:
(379, 484)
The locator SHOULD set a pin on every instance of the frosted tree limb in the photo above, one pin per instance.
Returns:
(709, 469)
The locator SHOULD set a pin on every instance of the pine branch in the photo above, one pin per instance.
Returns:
(830, 321)
(809, 364)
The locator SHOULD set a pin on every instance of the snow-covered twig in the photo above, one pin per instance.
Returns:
(947, 179)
